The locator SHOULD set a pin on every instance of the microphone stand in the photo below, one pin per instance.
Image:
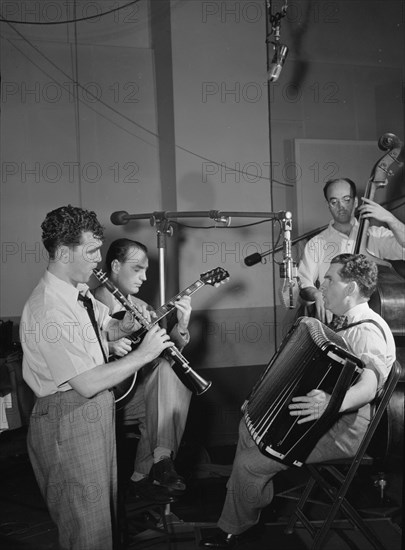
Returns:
(163, 229)
(161, 220)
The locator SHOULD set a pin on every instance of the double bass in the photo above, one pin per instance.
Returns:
(389, 301)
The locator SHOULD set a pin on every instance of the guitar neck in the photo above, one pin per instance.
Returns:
(166, 308)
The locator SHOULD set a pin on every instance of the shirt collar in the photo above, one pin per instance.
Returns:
(357, 311)
(68, 291)
(355, 225)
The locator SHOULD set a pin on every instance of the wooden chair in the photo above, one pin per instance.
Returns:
(335, 481)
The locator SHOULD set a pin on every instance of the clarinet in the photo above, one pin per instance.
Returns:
(181, 366)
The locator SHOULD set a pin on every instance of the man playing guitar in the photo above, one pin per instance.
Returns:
(160, 401)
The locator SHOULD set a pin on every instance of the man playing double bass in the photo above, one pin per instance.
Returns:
(340, 237)
(348, 284)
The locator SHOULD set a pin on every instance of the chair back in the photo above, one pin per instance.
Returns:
(379, 407)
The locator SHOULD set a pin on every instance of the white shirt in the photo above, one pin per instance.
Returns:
(320, 250)
(368, 343)
(57, 336)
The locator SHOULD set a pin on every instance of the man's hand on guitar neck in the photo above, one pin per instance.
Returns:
(183, 306)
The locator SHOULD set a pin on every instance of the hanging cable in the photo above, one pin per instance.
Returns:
(97, 99)
(74, 20)
(75, 66)
(273, 24)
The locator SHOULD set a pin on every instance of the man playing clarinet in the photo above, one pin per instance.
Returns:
(64, 333)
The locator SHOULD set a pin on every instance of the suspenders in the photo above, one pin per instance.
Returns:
(366, 321)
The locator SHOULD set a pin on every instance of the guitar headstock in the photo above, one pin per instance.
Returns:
(215, 277)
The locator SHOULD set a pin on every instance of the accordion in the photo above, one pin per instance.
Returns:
(311, 356)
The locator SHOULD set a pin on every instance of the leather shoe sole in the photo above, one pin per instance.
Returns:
(163, 474)
(144, 490)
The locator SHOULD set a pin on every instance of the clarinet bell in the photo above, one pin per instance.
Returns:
(193, 381)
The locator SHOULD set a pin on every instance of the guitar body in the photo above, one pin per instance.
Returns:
(124, 391)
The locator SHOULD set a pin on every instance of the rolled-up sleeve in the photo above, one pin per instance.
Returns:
(383, 244)
(67, 346)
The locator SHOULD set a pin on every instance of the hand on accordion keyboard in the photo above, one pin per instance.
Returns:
(309, 407)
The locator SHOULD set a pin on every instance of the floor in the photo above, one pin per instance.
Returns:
(25, 523)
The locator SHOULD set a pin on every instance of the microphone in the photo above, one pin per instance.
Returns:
(288, 269)
(119, 218)
(253, 259)
(279, 57)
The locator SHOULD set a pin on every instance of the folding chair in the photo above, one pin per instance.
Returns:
(335, 482)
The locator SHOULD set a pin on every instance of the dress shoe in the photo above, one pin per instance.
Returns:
(227, 540)
(220, 540)
(144, 490)
(163, 474)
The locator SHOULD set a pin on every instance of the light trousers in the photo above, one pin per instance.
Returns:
(71, 445)
(160, 405)
(250, 486)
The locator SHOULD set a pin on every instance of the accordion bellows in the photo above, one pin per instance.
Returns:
(311, 356)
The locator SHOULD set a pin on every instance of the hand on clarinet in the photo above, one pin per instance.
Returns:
(309, 407)
(120, 347)
(155, 342)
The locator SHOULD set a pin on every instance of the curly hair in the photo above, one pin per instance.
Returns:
(358, 268)
(119, 249)
(65, 225)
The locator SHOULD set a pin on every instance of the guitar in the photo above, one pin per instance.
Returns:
(214, 277)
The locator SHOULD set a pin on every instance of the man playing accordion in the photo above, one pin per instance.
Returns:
(349, 283)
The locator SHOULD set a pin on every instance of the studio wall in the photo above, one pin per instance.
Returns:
(89, 107)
